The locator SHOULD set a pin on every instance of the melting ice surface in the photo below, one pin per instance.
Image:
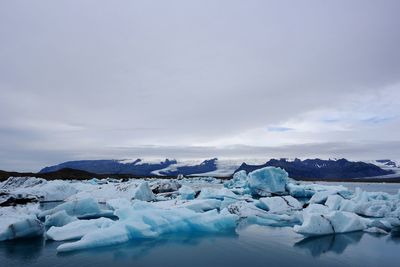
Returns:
(264, 217)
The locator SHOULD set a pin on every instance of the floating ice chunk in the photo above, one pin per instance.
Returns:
(330, 223)
(396, 212)
(245, 209)
(113, 235)
(20, 227)
(118, 203)
(279, 204)
(300, 191)
(147, 221)
(239, 180)
(201, 205)
(375, 208)
(307, 190)
(275, 220)
(81, 208)
(104, 192)
(95, 181)
(348, 205)
(263, 182)
(375, 230)
(316, 208)
(77, 229)
(255, 215)
(221, 193)
(165, 186)
(226, 202)
(7, 199)
(19, 222)
(143, 192)
(59, 218)
(333, 202)
(21, 182)
(384, 224)
(40, 188)
(321, 197)
(186, 192)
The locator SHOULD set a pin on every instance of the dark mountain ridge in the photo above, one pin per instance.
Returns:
(321, 169)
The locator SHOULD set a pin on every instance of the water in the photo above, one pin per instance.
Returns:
(251, 245)
(255, 245)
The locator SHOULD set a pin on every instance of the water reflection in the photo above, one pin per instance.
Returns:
(26, 249)
(329, 243)
(140, 248)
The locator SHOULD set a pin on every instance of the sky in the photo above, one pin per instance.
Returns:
(196, 79)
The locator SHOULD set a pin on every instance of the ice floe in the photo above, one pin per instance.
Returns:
(20, 222)
(97, 213)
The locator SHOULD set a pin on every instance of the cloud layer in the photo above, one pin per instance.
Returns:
(182, 78)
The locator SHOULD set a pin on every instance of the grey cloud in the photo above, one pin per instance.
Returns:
(98, 74)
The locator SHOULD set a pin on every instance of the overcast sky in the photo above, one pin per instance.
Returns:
(126, 79)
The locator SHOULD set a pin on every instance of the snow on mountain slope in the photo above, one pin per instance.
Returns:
(227, 166)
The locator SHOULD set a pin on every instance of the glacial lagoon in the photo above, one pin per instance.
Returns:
(253, 245)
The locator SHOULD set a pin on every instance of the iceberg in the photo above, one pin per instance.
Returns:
(186, 192)
(77, 229)
(59, 218)
(81, 208)
(254, 215)
(307, 190)
(279, 204)
(316, 208)
(267, 181)
(321, 197)
(165, 186)
(147, 221)
(376, 230)
(118, 203)
(41, 189)
(239, 180)
(143, 192)
(263, 197)
(376, 208)
(330, 223)
(201, 205)
(207, 193)
(333, 202)
(300, 191)
(20, 222)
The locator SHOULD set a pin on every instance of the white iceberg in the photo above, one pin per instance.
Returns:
(207, 193)
(330, 223)
(268, 181)
(77, 229)
(81, 208)
(186, 192)
(333, 202)
(201, 205)
(143, 192)
(255, 215)
(56, 190)
(279, 204)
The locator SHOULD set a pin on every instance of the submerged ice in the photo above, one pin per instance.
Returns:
(98, 213)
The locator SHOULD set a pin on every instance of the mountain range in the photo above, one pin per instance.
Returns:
(299, 169)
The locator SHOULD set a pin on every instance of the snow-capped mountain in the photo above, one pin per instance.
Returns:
(308, 168)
